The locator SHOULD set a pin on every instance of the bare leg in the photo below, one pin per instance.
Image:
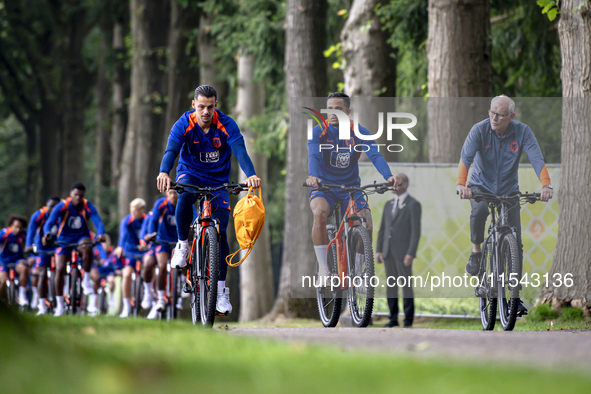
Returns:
(321, 210)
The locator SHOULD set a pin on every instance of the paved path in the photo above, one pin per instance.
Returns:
(569, 348)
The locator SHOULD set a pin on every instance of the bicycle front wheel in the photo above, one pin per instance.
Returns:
(329, 301)
(509, 275)
(361, 270)
(137, 292)
(486, 291)
(195, 311)
(75, 290)
(210, 273)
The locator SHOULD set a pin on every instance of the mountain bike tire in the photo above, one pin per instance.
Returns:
(210, 273)
(330, 301)
(361, 297)
(509, 263)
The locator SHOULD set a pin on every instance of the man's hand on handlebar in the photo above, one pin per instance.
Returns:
(253, 181)
(313, 181)
(46, 239)
(546, 194)
(464, 192)
(396, 180)
(163, 182)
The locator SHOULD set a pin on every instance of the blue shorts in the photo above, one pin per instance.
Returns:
(164, 248)
(69, 240)
(338, 195)
(43, 260)
(221, 199)
(105, 270)
(131, 258)
(5, 266)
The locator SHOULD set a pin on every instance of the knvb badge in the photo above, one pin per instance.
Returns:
(345, 129)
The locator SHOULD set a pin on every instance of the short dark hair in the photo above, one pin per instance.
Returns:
(54, 198)
(345, 98)
(78, 186)
(13, 218)
(206, 91)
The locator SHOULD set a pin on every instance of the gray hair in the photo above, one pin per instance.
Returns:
(511, 102)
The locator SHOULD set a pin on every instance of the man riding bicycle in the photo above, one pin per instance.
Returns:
(206, 139)
(43, 261)
(128, 248)
(12, 245)
(323, 166)
(71, 216)
(494, 146)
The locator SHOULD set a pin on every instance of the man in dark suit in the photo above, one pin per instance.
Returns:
(398, 239)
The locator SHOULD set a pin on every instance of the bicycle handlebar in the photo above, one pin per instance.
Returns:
(490, 197)
(181, 188)
(380, 188)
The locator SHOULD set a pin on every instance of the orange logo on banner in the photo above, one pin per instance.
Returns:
(514, 146)
(537, 228)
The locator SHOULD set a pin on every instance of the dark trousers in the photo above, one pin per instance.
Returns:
(393, 271)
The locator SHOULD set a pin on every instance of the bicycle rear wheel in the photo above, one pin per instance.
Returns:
(75, 290)
(195, 311)
(361, 270)
(174, 294)
(12, 294)
(486, 292)
(330, 301)
(508, 286)
(137, 292)
(210, 273)
(51, 292)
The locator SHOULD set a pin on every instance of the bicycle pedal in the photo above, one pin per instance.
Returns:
(187, 288)
(218, 313)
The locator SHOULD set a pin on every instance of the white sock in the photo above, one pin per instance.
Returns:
(22, 292)
(184, 243)
(321, 251)
(221, 284)
(126, 304)
(112, 298)
(92, 301)
(86, 280)
(60, 302)
(148, 287)
(35, 292)
(42, 305)
(160, 295)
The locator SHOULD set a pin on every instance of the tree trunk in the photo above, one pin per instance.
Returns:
(208, 72)
(103, 118)
(256, 272)
(76, 84)
(459, 66)
(370, 68)
(573, 248)
(149, 25)
(182, 79)
(306, 76)
(120, 92)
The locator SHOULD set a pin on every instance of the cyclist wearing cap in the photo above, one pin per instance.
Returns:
(338, 165)
(206, 139)
(71, 217)
(494, 147)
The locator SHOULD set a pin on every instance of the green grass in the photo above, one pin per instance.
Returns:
(111, 355)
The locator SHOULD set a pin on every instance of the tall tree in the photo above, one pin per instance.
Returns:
(459, 66)
(305, 76)
(149, 28)
(256, 273)
(370, 66)
(573, 248)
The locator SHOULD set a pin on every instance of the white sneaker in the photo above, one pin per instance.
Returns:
(180, 255)
(23, 302)
(161, 305)
(324, 277)
(179, 304)
(124, 313)
(153, 312)
(223, 305)
(91, 308)
(147, 300)
(58, 311)
(34, 302)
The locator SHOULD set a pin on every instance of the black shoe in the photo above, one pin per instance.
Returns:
(391, 324)
(407, 325)
(521, 309)
(187, 288)
(473, 266)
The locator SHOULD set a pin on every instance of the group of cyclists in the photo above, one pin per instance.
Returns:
(205, 139)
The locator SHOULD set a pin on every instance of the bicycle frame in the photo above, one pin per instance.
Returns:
(199, 225)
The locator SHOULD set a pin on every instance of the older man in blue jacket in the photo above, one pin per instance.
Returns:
(494, 147)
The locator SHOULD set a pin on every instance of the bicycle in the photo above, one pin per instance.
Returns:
(347, 240)
(74, 271)
(500, 265)
(174, 285)
(203, 268)
(137, 284)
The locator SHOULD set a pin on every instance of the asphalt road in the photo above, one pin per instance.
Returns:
(565, 349)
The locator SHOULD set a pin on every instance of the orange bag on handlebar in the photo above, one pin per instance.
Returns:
(249, 218)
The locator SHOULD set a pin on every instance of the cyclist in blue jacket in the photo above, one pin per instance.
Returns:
(494, 147)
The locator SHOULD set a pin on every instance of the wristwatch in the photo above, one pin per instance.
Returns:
(549, 187)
